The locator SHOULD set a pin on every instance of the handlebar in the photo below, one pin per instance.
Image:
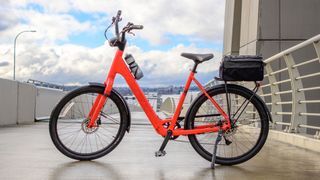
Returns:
(137, 27)
(120, 36)
(116, 20)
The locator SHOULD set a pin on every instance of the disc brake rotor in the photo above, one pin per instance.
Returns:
(85, 129)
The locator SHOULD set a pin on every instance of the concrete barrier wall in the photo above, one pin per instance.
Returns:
(8, 102)
(26, 103)
(46, 100)
(22, 103)
(82, 105)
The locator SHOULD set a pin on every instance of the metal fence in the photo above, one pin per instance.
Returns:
(291, 88)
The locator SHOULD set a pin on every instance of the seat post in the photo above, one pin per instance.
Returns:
(195, 67)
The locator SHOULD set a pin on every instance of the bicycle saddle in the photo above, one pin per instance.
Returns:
(197, 58)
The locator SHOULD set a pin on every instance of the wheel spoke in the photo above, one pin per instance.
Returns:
(72, 131)
(247, 119)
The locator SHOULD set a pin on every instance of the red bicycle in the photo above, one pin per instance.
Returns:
(226, 124)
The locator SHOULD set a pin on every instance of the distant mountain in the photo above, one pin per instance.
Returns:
(125, 91)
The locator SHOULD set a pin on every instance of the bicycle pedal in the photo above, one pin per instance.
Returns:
(160, 153)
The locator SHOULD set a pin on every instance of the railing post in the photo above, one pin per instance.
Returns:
(297, 96)
(274, 97)
(317, 135)
(316, 45)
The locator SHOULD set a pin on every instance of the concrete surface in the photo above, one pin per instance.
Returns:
(268, 20)
(299, 19)
(249, 21)
(305, 142)
(8, 99)
(17, 102)
(231, 38)
(26, 103)
(26, 152)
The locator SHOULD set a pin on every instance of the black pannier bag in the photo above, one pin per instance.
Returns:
(241, 68)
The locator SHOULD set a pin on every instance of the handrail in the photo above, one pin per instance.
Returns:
(294, 48)
(280, 106)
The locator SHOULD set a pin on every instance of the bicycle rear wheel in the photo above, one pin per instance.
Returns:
(68, 124)
(249, 119)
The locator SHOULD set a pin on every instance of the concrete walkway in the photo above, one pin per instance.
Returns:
(26, 152)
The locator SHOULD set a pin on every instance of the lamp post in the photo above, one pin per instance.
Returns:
(14, 51)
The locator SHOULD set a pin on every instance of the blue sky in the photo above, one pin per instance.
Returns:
(69, 44)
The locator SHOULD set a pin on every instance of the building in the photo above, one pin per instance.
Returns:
(267, 27)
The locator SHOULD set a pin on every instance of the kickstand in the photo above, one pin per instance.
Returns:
(218, 139)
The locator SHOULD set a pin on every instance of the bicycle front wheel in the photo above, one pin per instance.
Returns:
(249, 119)
(68, 124)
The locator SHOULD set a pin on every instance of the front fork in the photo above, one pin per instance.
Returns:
(95, 110)
(100, 101)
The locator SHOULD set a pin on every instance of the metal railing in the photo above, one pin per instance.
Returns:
(288, 82)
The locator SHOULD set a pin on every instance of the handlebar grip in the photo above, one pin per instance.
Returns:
(118, 13)
(137, 27)
(117, 19)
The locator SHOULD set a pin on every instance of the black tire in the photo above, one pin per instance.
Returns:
(248, 135)
(70, 114)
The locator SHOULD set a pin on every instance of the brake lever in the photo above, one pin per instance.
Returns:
(129, 32)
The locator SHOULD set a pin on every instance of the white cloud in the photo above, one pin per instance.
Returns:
(159, 63)
(169, 67)
(7, 19)
(71, 64)
(172, 17)
(51, 27)
(41, 57)
(160, 17)
(4, 64)
(64, 64)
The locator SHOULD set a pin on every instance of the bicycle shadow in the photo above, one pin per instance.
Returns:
(100, 170)
(220, 172)
(224, 172)
(85, 170)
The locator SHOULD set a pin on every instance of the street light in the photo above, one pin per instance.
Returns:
(14, 51)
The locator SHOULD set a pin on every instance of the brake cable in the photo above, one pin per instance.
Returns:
(105, 32)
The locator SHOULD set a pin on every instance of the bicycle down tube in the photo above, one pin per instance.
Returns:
(119, 67)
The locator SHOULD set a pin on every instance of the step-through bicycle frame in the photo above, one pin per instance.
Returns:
(119, 67)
